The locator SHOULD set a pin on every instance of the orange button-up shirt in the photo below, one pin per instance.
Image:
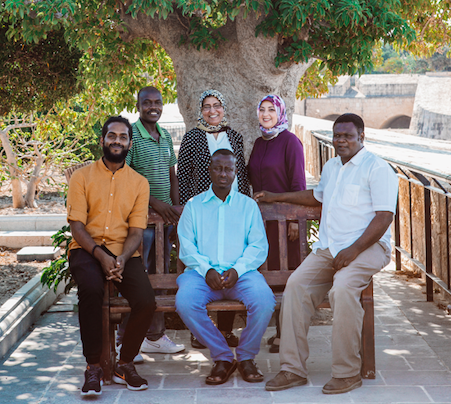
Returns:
(108, 204)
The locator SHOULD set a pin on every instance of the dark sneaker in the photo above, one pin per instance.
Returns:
(93, 381)
(126, 374)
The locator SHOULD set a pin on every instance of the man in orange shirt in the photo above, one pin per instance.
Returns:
(107, 206)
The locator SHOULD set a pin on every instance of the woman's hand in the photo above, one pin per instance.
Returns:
(293, 231)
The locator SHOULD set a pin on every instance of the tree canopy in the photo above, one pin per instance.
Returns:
(244, 48)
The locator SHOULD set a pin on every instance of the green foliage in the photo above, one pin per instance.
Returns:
(58, 271)
(35, 75)
(341, 33)
(315, 81)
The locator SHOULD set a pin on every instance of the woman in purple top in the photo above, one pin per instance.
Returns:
(277, 165)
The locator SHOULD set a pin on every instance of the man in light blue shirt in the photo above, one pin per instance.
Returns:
(223, 243)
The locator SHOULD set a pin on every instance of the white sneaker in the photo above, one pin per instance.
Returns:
(137, 359)
(163, 345)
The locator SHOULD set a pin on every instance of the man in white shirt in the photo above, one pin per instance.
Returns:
(358, 193)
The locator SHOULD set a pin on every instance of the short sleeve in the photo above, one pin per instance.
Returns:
(383, 184)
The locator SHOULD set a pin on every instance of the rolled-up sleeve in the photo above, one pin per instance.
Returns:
(77, 204)
(189, 252)
(256, 251)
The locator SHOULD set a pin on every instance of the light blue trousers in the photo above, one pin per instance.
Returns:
(251, 289)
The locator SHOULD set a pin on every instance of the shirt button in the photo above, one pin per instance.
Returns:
(109, 211)
(106, 228)
(111, 194)
(103, 239)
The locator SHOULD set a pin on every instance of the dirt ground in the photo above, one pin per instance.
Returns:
(14, 274)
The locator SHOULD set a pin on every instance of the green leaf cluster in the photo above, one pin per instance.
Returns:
(58, 270)
(35, 75)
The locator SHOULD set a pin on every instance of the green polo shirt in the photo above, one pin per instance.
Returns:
(153, 160)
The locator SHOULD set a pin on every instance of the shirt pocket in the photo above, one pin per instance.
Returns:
(351, 195)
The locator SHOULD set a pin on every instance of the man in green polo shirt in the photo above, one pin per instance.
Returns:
(152, 155)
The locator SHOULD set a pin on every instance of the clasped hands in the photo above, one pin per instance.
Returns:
(113, 267)
(217, 281)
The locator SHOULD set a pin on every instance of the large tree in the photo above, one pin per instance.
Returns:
(245, 48)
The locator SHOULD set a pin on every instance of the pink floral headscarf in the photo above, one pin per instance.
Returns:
(282, 121)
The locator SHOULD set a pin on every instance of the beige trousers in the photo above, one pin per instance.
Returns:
(306, 289)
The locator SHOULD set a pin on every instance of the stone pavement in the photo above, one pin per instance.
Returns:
(413, 355)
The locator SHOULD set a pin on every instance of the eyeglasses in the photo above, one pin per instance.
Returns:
(206, 108)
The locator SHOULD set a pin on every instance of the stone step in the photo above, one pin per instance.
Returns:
(19, 239)
(38, 253)
(32, 222)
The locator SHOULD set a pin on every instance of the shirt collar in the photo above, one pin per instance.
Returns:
(101, 164)
(209, 195)
(145, 134)
(358, 157)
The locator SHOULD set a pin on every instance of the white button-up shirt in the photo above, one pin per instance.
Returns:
(351, 195)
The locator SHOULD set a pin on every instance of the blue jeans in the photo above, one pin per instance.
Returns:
(156, 329)
(251, 288)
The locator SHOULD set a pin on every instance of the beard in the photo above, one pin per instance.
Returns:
(114, 158)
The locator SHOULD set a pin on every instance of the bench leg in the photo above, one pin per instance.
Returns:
(108, 356)
(368, 370)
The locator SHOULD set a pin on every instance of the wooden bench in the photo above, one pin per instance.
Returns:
(114, 307)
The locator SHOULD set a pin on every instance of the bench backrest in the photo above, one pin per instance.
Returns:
(280, 212)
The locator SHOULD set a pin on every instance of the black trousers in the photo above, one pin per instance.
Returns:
(135, 287)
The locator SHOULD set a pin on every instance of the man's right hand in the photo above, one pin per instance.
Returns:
(265, 196)
(166, 211)
(109, 265)
(214, 280)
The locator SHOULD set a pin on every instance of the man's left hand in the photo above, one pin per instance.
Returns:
(117, 271)
(345, 257)
(229, 278)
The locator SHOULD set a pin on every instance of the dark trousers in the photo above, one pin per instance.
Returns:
(135, 287)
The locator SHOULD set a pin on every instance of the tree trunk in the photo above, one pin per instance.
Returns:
(14, 173)
(34, 181)
(241, 68)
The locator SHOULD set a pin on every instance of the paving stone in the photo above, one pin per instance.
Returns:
(389, 394)
(417, 378)
(38, 253)
(159, 397)
(248, 396)
(307, 394)
(439, 393)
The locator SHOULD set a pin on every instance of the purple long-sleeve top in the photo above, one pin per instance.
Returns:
(277, 165)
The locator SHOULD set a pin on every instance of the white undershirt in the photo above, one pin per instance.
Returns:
(222, 142)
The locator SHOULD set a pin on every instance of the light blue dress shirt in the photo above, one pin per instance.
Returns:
(222, 235)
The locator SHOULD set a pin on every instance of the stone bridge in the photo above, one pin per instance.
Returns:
(416, 104)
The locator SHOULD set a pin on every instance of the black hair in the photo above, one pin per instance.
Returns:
(353, 118)
(223, 152)
(120, 119)
(148, 88)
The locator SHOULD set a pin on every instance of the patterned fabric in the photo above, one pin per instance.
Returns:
(194, 159)
(153, 159)
(282, 121)
(202, 122)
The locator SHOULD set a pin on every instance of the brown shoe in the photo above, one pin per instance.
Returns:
(285, 380)
(343, 385)
(250, 372)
